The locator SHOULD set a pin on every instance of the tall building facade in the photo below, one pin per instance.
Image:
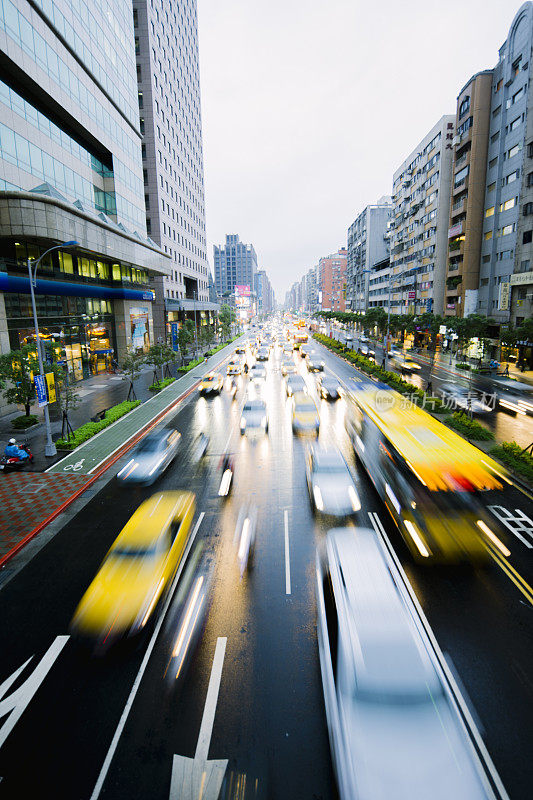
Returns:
(167, 60)
(506, 274)
(469, 168)
(71, 169)
(235, 265)
(368, 244)
(331, 281)
(419, 240)
(264, 294)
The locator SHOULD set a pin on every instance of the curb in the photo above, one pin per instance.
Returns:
(102, 468)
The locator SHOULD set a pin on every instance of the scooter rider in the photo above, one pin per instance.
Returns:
(14, 451)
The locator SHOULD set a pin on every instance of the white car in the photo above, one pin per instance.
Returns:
(330, 483)
(393, 726)
(257, 373)
(150, 458)
(254, 417)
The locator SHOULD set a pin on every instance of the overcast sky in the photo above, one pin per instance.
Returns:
(309, 106)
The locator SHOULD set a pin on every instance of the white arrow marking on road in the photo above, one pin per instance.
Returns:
(197, 778)
(17, 702)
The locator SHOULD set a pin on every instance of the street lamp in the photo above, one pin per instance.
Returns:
(50, 448)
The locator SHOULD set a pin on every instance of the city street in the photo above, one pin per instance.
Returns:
(252, 695)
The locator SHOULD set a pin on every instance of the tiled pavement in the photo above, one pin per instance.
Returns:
(26, 499)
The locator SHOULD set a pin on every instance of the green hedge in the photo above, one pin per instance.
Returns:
(462, 365)
(190, 366)
(158, 385)
(387, 376)
(90, 429)
(220, 346)
(510, 453)
(462, 423)
(20, 423)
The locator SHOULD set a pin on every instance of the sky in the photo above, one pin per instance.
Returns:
(309, 106)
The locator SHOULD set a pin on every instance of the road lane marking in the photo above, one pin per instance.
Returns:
(15, 704)
(287, 554)
(511, 573)
(518, 523)
(134, 689)
(208, 719)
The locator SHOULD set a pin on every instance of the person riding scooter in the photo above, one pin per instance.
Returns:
(14, 451)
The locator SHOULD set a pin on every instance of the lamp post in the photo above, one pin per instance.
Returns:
(195, 333)
(50, 448)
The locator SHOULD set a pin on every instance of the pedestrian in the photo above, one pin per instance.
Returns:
(506, 370)
(383, 363)
(523, 365)
(429, 388)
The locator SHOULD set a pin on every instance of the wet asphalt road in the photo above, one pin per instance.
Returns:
(270, 722)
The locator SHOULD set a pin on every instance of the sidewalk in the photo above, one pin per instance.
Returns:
(29, 501)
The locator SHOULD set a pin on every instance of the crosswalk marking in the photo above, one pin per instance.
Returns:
(518, 523)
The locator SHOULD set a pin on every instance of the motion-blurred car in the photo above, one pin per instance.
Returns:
(394, 728)
(366, 351)
(263, 354)
(234, 368)
(330, 483)
(464, 399)
(314, 363)
(137, 571)
(150, 458)
(513, 396)
(254, 417)
(288, 368)
(240, 349)
(211, 383)
(257, 373)
(408, 365)
(328, 388)
(305, 417)
(295, 383)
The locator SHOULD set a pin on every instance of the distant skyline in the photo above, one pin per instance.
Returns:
(309, 106)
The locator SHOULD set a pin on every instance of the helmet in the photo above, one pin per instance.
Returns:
(12, 441)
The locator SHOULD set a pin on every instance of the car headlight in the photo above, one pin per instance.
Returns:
(317, 494)
(354, 499)
(243, 422)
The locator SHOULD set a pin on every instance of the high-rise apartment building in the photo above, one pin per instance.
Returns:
(368, 244)
(331, 281)
(419, 240)
(265, 302)
(506, 274)
(166, 46)
(467, 195)
(235, 265)
(71, 169)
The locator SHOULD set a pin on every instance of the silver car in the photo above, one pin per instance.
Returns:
(330, 483)
(254, 417)
(463, 399)
(257, 373)
(295, 383)
(393, 725)
(514, 396)
(150, 458)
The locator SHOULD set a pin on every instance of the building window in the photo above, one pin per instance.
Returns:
(528, 209)
(515, 123)
(463, 108)
(491, 187)
(489, 212)
(513, 151)
(508, 204)
(527, 237)
(488, 235)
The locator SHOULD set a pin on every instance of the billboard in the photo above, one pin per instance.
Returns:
(242, 296)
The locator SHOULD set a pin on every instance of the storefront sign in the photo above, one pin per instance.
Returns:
(140, 337)
(504, 293)
(411, 295)
(521, 278)
(174, 328)
(51, 386)
(40, 390)
(455, 230)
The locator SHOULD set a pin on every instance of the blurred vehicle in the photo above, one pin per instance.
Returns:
(513, 396)
(287, 350)
(257, 373)
(201, 443)
(137, 571)
(364, 339)
(226, 481)
(300, 337)
(241, 349)
(305, 417)
(328, 388)
(314, 363)
(295, 383)
(211, 383)
(233, 390)
(465, 399)
(305, 349)
(254, 417)
(330, 483)
(150, 458)
(263, 354)
(367, 352)
(393, 724)
(288, 368)
(245, 537)
(408, 365)
(234, 368)
(435, 485)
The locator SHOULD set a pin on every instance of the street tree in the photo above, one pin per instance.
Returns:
(226, 316)
(131, 366)
(160, 355)
(17, 369)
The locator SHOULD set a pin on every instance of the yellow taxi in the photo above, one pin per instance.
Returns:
(137, 571)
(234, 367)
(211, 383)
(305, 417)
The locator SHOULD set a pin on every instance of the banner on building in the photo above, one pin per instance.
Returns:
(503, 296)
(174, 328)
(40, 390)
(51, 386)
